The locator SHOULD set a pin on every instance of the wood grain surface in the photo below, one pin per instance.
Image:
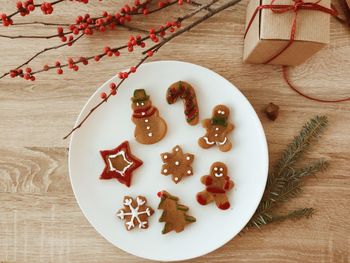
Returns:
(40, 220)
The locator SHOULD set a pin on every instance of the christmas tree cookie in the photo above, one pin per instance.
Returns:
(185, 91)
(174, 214)
(177, 164)
(217, 184)
(217, 129)
(120, 163)
(135, 212)
(150, 127)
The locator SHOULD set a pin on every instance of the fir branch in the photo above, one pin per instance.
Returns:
(284, 181)
(301, 143)
(297, 214)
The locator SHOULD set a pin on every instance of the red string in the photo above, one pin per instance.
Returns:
(286, 78)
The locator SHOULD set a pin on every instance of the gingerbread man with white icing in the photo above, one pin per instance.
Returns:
(218, 127)
(217, 184)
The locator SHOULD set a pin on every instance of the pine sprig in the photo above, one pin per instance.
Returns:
(284, 181)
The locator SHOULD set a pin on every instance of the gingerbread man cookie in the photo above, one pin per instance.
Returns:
(177, 164)
(150, 127)
(218, 127)
(217, 184)
(185, 91)
(135, 212)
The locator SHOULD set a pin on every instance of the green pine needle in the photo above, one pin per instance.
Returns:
(284, 181)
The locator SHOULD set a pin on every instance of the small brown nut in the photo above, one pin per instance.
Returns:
(272, 111)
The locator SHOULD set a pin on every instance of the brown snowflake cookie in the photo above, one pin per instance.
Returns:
(177, 164)
(174, 214)
(217, 184)
(135, 212)
(217, 129)
(150, 127)
(185, 91)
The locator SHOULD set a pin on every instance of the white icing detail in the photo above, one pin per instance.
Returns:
(216, 135)
(134, 213)
(215, 168)
(165, 170)
(189, 172)
(148, 127)
(137, 104)
(176, 149)
(112, 168)
(177, 163)
(207, 141)
(176, 179)
(165, 156)
(146, 120)
(218, 174)
(221, 169)
(150, 134)
(143, 113)
(223, 142)
(222, 112)
(188, 158)
(217, 128)
(219, 111)
(142, 104)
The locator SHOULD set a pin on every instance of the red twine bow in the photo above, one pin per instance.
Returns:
(280, 9)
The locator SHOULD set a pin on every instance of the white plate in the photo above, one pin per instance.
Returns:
(111, 124)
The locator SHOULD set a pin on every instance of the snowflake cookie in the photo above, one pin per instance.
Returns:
(177, 164)
(135, 212)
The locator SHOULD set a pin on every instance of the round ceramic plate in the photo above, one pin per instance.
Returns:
(111, 124)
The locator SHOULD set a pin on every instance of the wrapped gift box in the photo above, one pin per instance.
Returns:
(270, 32)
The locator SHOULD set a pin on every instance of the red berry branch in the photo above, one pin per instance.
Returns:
(155, 48)
(86, 25)
(24, 8)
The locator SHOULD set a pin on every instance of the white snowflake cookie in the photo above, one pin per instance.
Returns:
(135, 212)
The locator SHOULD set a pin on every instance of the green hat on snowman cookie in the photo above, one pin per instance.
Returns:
(139, 96)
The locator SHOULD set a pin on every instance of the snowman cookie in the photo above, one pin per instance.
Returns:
(217, 184)
(218, 127)
(150, 127)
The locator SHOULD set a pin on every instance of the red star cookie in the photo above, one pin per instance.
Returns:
(120, 164)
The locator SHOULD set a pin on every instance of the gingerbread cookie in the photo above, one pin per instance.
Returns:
(120, 163)
(174, 214)
(150, 127)
(217, 184)
(177, 164)
(218, 128)
(135, 212)
(185, 91)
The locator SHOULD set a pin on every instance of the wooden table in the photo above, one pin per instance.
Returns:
(40, 220)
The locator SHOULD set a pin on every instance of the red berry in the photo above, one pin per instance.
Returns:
(46, 67)
(59, 71)
(113, 92)
(112, 85)
(103, 95)
(59, 30)
(97, 58)
(117, 53)
(150, 53)
(32, 78)
(133, 69)
(110, 53)
(28, 70)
